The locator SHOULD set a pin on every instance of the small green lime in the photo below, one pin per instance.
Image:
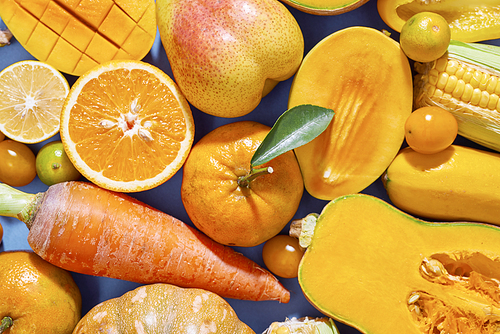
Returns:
(53, 165)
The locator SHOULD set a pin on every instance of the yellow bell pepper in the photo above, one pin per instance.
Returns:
(470, 21)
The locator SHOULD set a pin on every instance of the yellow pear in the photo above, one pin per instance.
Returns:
(226, 55)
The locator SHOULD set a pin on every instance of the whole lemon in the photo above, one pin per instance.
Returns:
(226, 200)
(53, 165)
(37, 297)
(425, 37)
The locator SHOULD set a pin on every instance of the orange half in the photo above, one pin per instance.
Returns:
(126, 126)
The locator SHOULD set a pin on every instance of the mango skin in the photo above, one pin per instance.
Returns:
(457, 184)
(226, 55)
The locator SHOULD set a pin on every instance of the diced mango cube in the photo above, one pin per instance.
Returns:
(100, 49)
(22, 24)
(93, 12)
(35, 7)
(55, 17)
(117, 25)
(42, 40)
(134, 41)
(85, 64)
(78, 34)
(135, 9)
(64, 56)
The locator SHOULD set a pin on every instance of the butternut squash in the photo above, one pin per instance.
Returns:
(459, 183)
(163, 308)
(366, 79)
(379, 270)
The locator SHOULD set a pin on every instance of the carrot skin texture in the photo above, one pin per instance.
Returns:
(83, 228)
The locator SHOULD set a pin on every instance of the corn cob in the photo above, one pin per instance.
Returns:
(465, 81)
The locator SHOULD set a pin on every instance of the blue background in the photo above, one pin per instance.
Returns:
(166, 197)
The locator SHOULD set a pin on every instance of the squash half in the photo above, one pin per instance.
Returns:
(382, 271)
(366, 79)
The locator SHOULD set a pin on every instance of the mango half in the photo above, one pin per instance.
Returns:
(74, 36)
(382, 271)
(366, 79)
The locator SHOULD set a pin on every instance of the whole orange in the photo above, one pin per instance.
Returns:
(38, 296)
(221, 205)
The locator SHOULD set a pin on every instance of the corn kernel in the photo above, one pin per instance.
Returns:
(460, 72)
(485, 97)
(468, 89)
(446, 98)
(442, 80)
(492, 83)
(459, 89)
(433, 76)
(451, 84)
(283, 330)
(498, 106)
(497, 88)
(492, 103)
(452, 66)
(476, 79)
(484, 81)
(469, 72)
(438, 93)
(440, 64)
(476, 96)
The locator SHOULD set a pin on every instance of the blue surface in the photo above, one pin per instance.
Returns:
(166, 197)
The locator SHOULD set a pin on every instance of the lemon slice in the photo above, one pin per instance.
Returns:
(126, 126)
(32, 94)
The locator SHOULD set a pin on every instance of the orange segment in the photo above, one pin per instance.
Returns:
(32, 94)
(126, 126)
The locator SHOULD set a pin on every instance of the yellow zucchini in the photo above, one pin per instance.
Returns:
(457, 184)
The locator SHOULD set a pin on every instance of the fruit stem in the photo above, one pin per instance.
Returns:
(244, 181)
(6, 323)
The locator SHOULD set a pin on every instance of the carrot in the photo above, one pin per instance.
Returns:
(83, 228)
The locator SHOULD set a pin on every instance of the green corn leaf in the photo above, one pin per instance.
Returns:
(476, 53)
(295, 127)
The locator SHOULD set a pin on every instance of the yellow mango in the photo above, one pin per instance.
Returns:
(74, 36)
(363, 76)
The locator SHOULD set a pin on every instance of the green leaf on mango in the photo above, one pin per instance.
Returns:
(295, 127)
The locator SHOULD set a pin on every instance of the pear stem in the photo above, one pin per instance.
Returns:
(6, 323)
(244, 181)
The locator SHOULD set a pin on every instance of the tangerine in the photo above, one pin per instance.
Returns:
(232, 202)
(37, 296)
